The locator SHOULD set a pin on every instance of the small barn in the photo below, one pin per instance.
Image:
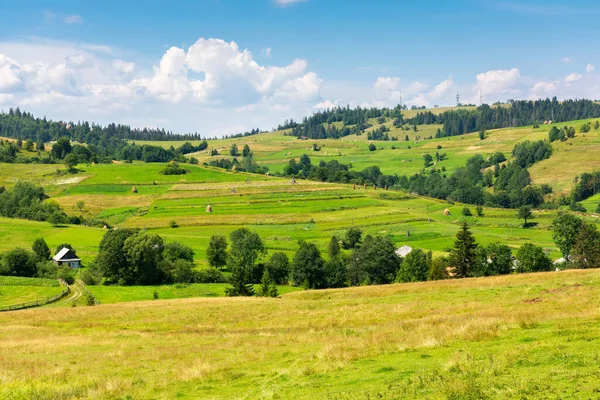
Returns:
(403, 251)
(67, 257)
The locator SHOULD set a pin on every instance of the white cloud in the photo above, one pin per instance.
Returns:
(543, 89)
(386, 90)
(327, 104)
(87, 82)
(573, 77)
(565, 60)
(497, 81)
(123, 66)
(589, 68)
(441, 91)
(266, 52)
(73, 19)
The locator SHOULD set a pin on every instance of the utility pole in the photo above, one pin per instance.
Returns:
(457, 99)
(401, 99)
(480, 97)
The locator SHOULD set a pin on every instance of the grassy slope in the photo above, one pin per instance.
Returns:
(15, 290)
(519, 336)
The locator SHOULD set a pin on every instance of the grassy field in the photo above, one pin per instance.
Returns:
(120, 294)
(15, 290)
(518, 336)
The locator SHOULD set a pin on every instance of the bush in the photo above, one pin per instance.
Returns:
(466, 212)
(372, 147)
(91, 276)
(173, 224)
(208, 275)
(174, 169)
(479, 211)
(66, 274)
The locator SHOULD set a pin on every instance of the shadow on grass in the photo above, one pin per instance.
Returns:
(530, 225)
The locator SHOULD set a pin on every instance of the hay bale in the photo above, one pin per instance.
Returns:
(209, 208)
(133, 190)
(447, 212)
(105, 227)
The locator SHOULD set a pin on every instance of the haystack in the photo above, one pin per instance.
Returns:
(209, 208)
(105, 227)
(447, 212)
(233, 191)
(133, 190)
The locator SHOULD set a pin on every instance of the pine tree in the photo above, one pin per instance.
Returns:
(463, 254)
(240, 282)
(267, 286)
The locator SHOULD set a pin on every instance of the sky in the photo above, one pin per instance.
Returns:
(218, 67)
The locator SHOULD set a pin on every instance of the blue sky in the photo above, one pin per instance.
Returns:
(217, 66)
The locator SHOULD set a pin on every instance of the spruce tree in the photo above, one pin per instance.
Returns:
(240, 283)
(463, 254)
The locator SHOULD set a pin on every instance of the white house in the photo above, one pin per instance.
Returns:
(403, 251)
(67, 257)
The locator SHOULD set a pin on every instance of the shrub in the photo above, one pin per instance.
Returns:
(479, 210)
(372, 147)
(208, 275)
(466, 212)
(66, 274)
(173, 224)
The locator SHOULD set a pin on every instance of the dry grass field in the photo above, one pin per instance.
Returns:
(518, 336)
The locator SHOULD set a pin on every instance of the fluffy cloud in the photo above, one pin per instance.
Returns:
(543, 90)
(497, 81)
(327, 104)
(123, 66)
(589, 68)
(441, 91)
(573, 77)
(73, 81)
(216, 72)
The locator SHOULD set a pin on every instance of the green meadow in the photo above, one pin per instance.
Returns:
(17, 290)
(529, 336)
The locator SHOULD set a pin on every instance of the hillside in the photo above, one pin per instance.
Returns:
(526, 336)
(281, 212)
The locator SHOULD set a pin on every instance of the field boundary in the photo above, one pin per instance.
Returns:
(37, 303)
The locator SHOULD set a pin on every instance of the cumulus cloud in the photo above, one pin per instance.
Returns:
(543, 89)
(387, 89)
(440, 92)
(123, 66)
(327, 104)
(589, 68)
(573, 77)
(497, 81)
(211, 74)
(216, 72)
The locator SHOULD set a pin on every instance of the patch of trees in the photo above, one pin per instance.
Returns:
(34, 263)
(354, 121)
(334, 171)
(247, 163)
(588, 184)
(11, 152)
(134, 257)
(528, 153)
(174, 169)
(520, 113)
(381, 133)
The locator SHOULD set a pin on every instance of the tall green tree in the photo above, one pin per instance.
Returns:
(246, 248)
(61, 148)
(246, 151)
(18, 262)
(267, 285)
(438, 269)
(233, 151)
(463, 254)
(307, 266)
(415, 267)
(375, 262)
(111, 260)
(333, 249)
(353, 237)
(216, 253)
(531, 258)
(174, 251)
(565, 229)
(279, 267)
(586, 250)
(525, 214)
(41, 249)
(144, 253)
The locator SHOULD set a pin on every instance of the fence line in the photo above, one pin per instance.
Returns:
(88, 292)
(37, 303)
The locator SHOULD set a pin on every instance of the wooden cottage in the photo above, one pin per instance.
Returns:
(67, 257)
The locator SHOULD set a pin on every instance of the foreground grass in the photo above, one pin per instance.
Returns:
(520, 336)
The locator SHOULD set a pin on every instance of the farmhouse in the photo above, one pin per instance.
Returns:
(67, 257)
(403, 251)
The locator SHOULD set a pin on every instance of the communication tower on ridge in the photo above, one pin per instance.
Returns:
(457, 99)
